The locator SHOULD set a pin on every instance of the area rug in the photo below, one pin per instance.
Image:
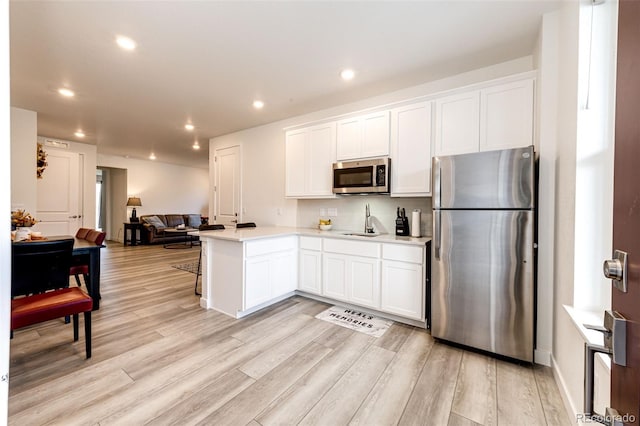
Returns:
(355, 320)
(189, 267)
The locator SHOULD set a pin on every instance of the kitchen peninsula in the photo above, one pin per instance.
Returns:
(247, 269)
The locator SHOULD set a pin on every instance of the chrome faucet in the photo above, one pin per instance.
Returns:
(368, 228)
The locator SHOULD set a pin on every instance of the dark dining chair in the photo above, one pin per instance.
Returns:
(38, 266)
(80, 264)
(204, 228)
(39, 287)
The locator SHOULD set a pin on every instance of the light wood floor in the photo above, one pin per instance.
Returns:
(159, 358)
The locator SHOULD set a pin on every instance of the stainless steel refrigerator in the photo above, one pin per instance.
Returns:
(482, 260)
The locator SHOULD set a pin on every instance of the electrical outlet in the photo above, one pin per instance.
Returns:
(332, 212)
(279, 211)
(323, 212)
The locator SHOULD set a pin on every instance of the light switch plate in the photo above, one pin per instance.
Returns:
(332, 212)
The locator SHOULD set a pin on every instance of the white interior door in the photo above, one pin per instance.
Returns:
(59, 203)
(227, 186)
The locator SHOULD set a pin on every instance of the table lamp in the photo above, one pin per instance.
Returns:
(134, 202)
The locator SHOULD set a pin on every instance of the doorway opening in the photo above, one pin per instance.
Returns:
(111, 200)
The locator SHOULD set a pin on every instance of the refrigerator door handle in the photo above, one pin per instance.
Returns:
(437, 190)
(436, 234)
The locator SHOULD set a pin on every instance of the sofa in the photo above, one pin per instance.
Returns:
(153, 226)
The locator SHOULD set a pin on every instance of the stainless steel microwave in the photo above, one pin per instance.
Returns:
(361, 177)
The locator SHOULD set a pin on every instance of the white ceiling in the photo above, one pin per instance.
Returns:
(206, 61)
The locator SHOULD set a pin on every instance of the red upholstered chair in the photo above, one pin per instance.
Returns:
(95, 237)
(80, 265)
(51, 305)
(82, 233)
(38, 267)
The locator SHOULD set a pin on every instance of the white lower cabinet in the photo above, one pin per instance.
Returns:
(335, 276)
(269, 270)
(403, 281)
(257, 286)
(402, 289)
(310, 274)
(364, 281)
(352, 279)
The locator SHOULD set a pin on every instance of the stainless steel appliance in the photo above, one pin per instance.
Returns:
(482, 261)
(361, 177)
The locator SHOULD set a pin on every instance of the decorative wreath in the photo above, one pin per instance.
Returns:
(42, 161)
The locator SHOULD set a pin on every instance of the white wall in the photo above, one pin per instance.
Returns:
(163, 188)
(24, 137)
(575, 174)
(5, 206)
(547, 87)
(351, 212)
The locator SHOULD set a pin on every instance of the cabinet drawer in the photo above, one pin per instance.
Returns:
(311, 243)
(355, 248)
(403, 253)
(269, 245)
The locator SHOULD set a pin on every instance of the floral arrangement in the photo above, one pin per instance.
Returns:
(42, 161)
(22, 218)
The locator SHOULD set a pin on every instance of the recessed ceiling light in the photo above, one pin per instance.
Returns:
(257, 104)
(79, 134)
(347, 74)
(152, 156)
(189, 126)
(196, 145)
(66, 92)
(126, 43)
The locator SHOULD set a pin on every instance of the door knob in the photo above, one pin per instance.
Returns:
(612, 269)
(616, 270)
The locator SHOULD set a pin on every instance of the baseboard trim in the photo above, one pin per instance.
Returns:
(562, 386)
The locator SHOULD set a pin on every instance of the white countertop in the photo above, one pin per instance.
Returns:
(260, 232)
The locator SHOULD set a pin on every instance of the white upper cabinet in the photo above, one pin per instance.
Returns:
(495, 117)
(506, 116)
(411, 150)
(310, 154)
(295, 145)
(458, 123)
(363, 136)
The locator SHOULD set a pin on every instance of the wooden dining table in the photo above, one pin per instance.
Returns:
(92, 251)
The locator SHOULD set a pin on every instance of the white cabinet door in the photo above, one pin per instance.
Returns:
(283, 273)
(403, 289)
(363, 136)
(411, 150)
(295, 159)
(320, 156)
(457, 123)
(375, 135)
(309, 156)
(334, 276)
(364, 281)
(506, 116)
(310, 275)
(257, 282)
(349, 138)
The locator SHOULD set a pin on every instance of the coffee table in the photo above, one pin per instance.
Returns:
(186, 243)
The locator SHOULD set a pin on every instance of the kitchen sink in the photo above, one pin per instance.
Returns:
(361, 234)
